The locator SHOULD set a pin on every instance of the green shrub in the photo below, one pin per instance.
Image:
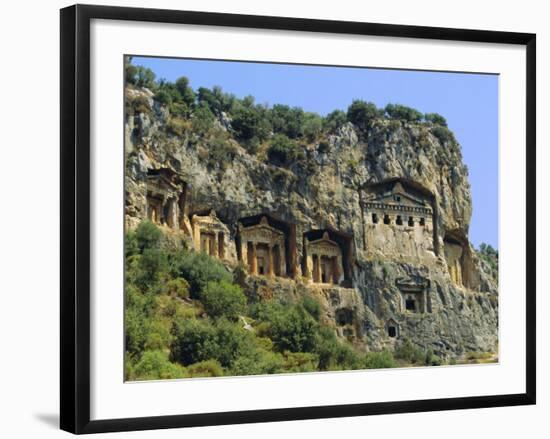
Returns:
(251, 125)
(287, 121)
(208, 368)
(221, 151)
(435, 118)
(223, 299)
(155, 365)
(202, 121)
(361, 114)
(284, 151)
(200, 340)
(313, 126)
(140, 76)
(432, 359)
(443, 134)
(312, 306)
(148, 236)
(410, 353)
(178, 287)
(379, 360)
(153, 266)
(258, 362)
(163, 97)
(186, 93)
(290, 327)
(137, 326)
(199, 269)
(300, 362)
(402, 112)
(334, 120)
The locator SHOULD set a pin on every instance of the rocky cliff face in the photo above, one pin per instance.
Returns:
(426, 284)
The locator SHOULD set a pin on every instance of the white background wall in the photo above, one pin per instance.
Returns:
(29, 187)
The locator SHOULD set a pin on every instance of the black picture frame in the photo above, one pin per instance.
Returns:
(75, 217)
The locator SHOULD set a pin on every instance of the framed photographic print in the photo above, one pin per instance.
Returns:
(285, 218)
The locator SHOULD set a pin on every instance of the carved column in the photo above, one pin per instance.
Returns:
(270, 260)
(254, 261)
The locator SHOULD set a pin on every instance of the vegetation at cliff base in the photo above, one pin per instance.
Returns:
(187, 316)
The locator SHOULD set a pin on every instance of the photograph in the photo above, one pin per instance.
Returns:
(287, 218)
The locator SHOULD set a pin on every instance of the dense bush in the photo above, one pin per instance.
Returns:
(361, 114)
(178, 287)
(443, 134)
(402, 112)
(199, 269)
(313, 126)
(435, 118)
(379, 360)
(408, 352)
(202, 120)
(208, 368)
(251, 125)
(284, 151)
(155, 365)
(147, 236)
(334, 120)
(223, 299)
(201, 340)
(140, 76)
(288, 121)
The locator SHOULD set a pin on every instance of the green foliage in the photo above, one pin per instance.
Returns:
(140, 76)
(258, 362)
(432, 359)
(435, 118)
(288, 121)
(251, 125)
(153, 265)
(284, 151)
(208, 368)
(379, 360)
(178, 287)
(199, 269)
(361, 114)
(220, 151)
(334, 120)
(136, 319)
(443, 134)
(200, 340)
(155, 365)
(332, 354)
(290, 327)
(223, 299)
(148, 236)
(312, 306)
(312, 126)
(402, 112)
(216, 99)
(203, 120)
(300, 362)
(186, 93)
(408, 352)
(490, 256)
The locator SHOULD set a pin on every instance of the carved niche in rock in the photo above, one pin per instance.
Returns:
(210, 235)
(414, 294)
(458, 256)
(166, 199)
(266, 245)
(398, 217)
(327, 257)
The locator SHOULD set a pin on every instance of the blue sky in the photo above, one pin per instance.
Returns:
(469, 102)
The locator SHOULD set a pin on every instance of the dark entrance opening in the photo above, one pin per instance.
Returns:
(410, 305)
(392, 331)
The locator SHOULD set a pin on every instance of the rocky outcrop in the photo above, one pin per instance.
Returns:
(401, 274)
